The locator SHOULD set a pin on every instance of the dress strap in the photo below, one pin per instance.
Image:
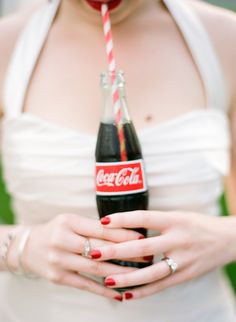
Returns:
(25, 56)
(202, 51)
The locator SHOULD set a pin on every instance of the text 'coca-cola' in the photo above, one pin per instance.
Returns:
(120, 177)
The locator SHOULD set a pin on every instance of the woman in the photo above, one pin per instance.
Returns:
(178, 58)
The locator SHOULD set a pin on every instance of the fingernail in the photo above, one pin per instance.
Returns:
(105, 221)
(95, 254)
(141, 237)
(148, 258)
(110, 282)
(128, 296)
(118, 298)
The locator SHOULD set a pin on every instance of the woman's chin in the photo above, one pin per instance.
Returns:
(96, 4)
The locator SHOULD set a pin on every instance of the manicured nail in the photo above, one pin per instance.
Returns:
(119, 298)
(95, 254)
(141, 237)
(148, 258)
(128, 296)
(105, 221)
(110, 282)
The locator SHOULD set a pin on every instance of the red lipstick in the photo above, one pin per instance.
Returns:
(112, 4)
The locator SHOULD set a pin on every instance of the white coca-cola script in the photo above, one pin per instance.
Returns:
(120, 177)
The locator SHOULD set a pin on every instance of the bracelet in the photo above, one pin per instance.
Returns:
(5, 247)
(21, 248)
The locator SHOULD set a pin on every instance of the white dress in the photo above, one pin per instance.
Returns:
(49, 169)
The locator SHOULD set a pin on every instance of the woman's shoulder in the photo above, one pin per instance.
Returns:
(220, 25)
(10, 28)
(219, 21)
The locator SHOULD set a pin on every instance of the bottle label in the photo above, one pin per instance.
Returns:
(119, 178)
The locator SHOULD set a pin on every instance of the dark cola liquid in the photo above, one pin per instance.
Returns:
(108, 150)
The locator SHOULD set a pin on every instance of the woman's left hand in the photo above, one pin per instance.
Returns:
(197, 243)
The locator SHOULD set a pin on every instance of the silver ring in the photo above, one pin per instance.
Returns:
(171, 263)
(87, 248)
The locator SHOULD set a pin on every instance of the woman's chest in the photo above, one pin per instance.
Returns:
(162, 81)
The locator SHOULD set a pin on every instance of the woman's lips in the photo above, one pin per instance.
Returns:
(112, 4)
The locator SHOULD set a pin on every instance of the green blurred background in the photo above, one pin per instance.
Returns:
(6, 214)
(230, 4)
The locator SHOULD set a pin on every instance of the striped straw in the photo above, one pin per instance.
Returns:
(112, 69)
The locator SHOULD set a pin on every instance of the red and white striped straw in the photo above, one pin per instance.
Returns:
(112, 69)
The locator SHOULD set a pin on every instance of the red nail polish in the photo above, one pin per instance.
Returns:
(128, 296)
(105, 221)
(148, 258)
(141, 237)
(118, 298)
(95, 254)
(110, 282)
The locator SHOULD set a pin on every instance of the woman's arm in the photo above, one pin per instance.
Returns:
(10, 27)
(54, 251)
(221, 27)
(231, 178)
(198, 243)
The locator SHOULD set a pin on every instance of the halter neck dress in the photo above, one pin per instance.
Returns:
(49, 169)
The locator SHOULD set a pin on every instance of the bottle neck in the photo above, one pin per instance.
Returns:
(108, 113)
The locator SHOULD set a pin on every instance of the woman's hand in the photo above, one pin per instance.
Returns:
(197, 243)
(54, 249)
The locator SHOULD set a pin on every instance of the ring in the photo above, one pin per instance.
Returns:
(171, 263)
(87, 248)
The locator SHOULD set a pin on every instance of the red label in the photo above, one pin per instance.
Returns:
(119, 178)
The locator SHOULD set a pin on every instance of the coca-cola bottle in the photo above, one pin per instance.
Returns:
(120, 185)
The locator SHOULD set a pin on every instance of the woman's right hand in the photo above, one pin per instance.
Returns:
(54, 250)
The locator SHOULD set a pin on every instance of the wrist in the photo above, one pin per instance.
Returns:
(16, 257)
(30, 252)
(12, 256)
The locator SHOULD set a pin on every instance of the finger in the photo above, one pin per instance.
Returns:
(85, 265)
(136, 248)
(155, 220)
(146, 259)
(93, 228)
(86, 284)
(139, 277)
(156, 287)
(70, 242)
(74, 243)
